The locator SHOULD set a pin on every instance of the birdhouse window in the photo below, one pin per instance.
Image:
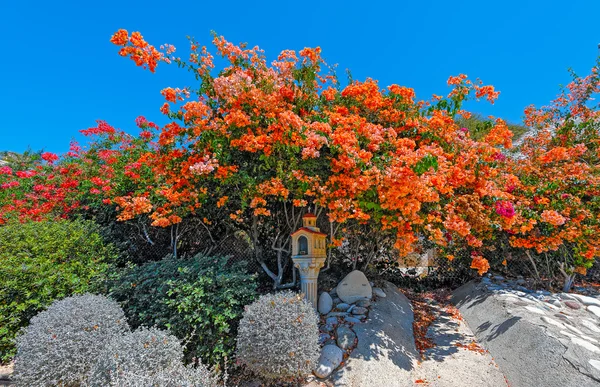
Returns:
(302, 245)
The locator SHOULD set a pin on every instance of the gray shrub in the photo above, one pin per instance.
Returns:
(143, 353)
(62, 343)
(176, 376)
(278, 337)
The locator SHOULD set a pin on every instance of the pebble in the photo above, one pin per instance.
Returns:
(359, 310)
(595, 363)
(535, 309)
(379, 292)
(363, 303)
(587, 345)
(590, 325)
(498, 278)
(585, 300)
(337, 314)
(552, 321)
(325, 303)
(594, 309)
(331, 357)
(342, 307)
(345, 337)
(353, 320)
(331, 321)
(556, 303)
(323, 337)
(572, 328)
(520, 281)
(572, 304)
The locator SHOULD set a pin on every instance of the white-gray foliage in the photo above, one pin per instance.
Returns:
(176, 376)
(278, 337)
(144, 352)
(62, 343)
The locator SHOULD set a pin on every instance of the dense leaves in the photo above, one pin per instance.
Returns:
(41, 262)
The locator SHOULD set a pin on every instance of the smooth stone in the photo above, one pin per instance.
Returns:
(379, 292)
(331, 321)
(573, 329)
(568, 334)
(342, 307)
(498, 278)
(595, 363)
(522, 303)
(325, 303)
(345, 337)
(590, 339)
(329, 342)
(486, 280)
(359, 310)
(333, 292)
(552, 321)
(556, 303)
(353, 320)
(330, 359)
(594, 309)
(534, 309)
(520, 281)
(563, 316)
(567, 296)
(587, 301)
(363, 303)
(587, 345)
(328, 327)
(351, 308)
(590, 325)
(323, 337)
(336, 300)
(354, 287)
(337, 314)
(572, 304)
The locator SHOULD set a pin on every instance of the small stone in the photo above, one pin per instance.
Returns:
(323, 337)
(331, 321)
(534, 309)
(522, 302)
(573, 329)
(345, 337)
(552, 321)
(554, 302)
(343, 307)
(325, 303)
(379, 292)
(329, 342)
(563, 317)
(354, 287)
(595, 363)
(327, 327)
(585, 300)
(590, 325)
(333, 292)
(337, 314)
(520, 281)
(363, 303)
(353, 320)
(359, 310)
(331, 357)
(594, 309)
(572, 304)
(486, 280)
(498, 278)
(587, 345)
(568, 334)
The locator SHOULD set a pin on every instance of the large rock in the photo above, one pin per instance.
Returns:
(385, 355)
(325, 303)
(331, 357)
(354, 287)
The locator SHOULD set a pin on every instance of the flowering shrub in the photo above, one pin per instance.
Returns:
(62, 343)
(278, 337)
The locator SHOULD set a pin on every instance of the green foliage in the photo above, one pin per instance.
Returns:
(200, 300)
(479, 126)
(41, 262)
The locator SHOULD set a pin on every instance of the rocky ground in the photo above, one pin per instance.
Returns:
(537, 338)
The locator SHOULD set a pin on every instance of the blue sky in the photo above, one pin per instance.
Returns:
(59, 73)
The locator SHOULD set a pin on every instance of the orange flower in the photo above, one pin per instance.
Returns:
(222, 201)
(120, 37)
(553, 217)
(481, 264)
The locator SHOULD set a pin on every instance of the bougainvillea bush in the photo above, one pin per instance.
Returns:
(251, 145)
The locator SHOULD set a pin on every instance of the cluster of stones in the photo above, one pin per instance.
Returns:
(340, 309)
(572, 318)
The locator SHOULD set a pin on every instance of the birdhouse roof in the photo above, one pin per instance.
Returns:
(309, 215)
(308, 230)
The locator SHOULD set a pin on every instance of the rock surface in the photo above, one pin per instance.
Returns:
(354, 287)
(345, 337)
(325, 303)
(534, 345)
(331, 357)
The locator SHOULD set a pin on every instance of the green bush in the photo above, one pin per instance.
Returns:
(200, 300)
(41, 262)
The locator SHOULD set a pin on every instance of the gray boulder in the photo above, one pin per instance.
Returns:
(325, 303)
(331, 357)
(354, 287)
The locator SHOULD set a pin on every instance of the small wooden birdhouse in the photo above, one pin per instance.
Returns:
(309, 250)
(308, 241)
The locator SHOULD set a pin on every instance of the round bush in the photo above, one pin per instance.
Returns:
(278, 337)
(41, 262)
(145, 351)
(178, 376)
(61, 344)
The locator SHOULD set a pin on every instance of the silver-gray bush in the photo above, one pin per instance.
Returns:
(143, 353)
(278, 337)
(61, 344)
(177, 376)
